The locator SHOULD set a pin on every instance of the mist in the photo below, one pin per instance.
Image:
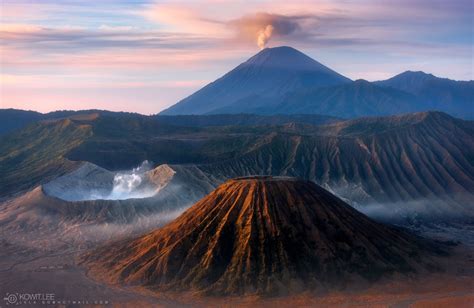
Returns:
(415, 211)
(90, 182)
(141, 224)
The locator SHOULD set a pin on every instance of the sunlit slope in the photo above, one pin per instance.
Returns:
(266, 236)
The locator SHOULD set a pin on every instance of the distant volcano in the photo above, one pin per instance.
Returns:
(262, 235)
(283, 80)
(268, 75)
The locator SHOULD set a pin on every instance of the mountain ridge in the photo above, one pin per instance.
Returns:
(393, 159)
(453, 96)
(351, 100)
(284, 80)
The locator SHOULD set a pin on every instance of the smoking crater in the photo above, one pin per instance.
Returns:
(91, 182)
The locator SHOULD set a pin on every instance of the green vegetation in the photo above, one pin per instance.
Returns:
(36, 154)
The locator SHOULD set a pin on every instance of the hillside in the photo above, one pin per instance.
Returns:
(266, 236)
(243, 119)
(352, 100)
(14, 119)
(35, 154)
(396, 161)
(375, 160)
(452, 96)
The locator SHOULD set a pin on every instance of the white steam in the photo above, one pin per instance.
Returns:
(264, 35)
(91, 182)
(131, 184)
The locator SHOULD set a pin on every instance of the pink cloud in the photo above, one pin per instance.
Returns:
(182, 46)
(78, 81)
(150, 101)
(185, 19)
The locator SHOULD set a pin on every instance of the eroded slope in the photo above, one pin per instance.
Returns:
(263, 235)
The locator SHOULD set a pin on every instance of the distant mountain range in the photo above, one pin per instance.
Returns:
(451, 96)
(282, 80)
(13, 119)
(270, 74)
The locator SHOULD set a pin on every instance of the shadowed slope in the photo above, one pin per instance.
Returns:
(351, 100)
(391, 159)
(261, 235)
(270, 74)
(452, 96)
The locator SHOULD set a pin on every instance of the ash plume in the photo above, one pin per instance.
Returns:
(265, 26)
(264, 36)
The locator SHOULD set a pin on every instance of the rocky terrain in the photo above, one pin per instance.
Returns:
(264, 235)
(398, 161)
(411, 164)
(73, 208)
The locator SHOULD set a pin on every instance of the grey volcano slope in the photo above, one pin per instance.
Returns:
(60, 210)
(270, 74)
(79, 196)
(265, 236)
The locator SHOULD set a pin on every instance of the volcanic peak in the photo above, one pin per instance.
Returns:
(266, 236)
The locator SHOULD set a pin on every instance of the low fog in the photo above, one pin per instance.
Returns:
(414, 211)
(141, 224)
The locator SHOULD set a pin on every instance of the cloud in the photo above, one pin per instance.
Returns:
(90, 81)
(231, 27)
(115, 28)
(184, 19)
(80, 39)
(260, 27)
(127, 49)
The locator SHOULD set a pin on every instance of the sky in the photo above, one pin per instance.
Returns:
(143, 56)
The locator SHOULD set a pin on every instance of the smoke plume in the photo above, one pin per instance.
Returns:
(264, 36)
(128, 184)
(266, 26)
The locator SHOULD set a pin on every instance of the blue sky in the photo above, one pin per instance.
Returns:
(144, 56)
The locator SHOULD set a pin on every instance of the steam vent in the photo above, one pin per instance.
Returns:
(266, 236)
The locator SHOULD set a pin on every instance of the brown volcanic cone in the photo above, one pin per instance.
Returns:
(261, 235)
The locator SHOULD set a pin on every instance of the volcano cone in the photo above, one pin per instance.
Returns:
(262, 235)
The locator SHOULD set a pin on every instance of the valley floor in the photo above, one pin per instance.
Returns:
(54, 271)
